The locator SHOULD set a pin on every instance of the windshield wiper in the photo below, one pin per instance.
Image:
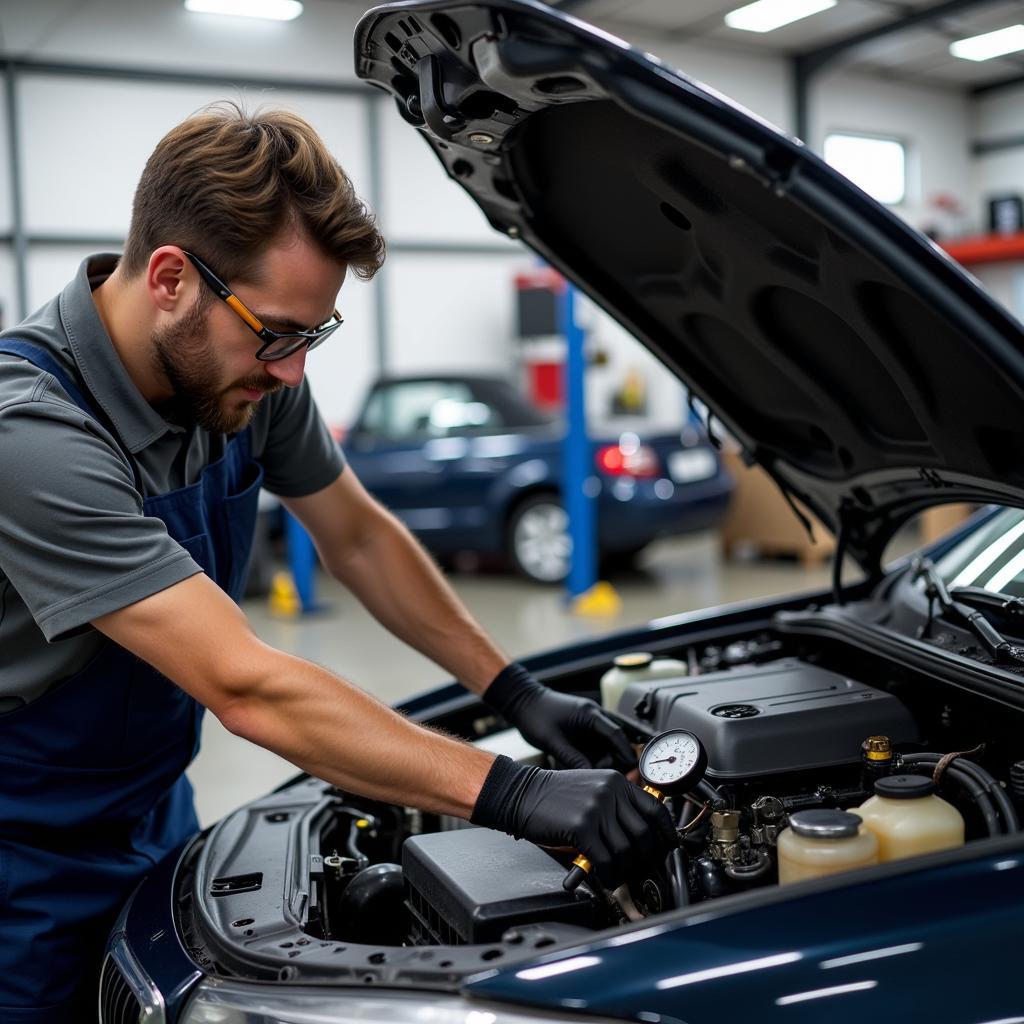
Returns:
(978, 597)
(935, 589)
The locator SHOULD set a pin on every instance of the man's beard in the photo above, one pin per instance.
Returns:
(185, 355)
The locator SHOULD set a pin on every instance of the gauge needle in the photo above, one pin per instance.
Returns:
(669, 760)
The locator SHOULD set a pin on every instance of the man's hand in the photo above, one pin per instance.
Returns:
(619, 828)
(573, 730)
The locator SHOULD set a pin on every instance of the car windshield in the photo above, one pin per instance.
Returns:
(426, 408)
(991, 557)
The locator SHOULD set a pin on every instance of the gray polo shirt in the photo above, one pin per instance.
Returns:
(74, 544)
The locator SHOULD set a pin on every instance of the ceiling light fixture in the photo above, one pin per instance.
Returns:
(768, 15)
(989, 45)
(275, 10)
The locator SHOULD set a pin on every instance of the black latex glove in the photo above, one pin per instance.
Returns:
(573, 730)
(620, 828)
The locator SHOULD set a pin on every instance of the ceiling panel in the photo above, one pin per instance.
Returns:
(916, 53)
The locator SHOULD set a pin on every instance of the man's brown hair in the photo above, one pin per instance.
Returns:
(225, 184)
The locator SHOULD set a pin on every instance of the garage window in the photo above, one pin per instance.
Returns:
(877, 165)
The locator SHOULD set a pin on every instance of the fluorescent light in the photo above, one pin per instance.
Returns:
(989, 45)
(768, 15)
(276, 10)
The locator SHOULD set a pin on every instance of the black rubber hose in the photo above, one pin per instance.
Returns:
(677, 878)
(974, 789)
(1003, 802)
(710, 793)
(984, 779)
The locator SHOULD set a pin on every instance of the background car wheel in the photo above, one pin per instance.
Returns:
(539, 542)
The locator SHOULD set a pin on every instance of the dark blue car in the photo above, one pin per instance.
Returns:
(872, 379)
(469, 465)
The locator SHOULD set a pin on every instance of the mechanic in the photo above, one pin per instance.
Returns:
(141, 411)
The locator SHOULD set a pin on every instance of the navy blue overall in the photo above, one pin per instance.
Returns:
(92, 790)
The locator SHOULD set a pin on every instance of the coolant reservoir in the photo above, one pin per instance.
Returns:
(823, 842)
(635, 668)
(908, 818)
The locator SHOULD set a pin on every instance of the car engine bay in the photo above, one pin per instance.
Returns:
(311, 882)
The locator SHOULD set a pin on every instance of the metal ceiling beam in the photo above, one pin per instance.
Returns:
(1002, 83)
(810, 62)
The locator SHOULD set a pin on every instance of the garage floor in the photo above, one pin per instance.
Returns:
(674, 576)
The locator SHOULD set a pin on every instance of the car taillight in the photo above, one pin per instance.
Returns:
(628, 460)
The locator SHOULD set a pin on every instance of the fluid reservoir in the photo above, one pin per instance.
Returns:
(634, 668)
(823, 842)
(908, 818)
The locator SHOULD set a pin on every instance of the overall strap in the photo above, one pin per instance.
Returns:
(42, 359)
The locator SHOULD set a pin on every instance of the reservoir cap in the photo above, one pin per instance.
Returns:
(637, 659)
(904, 787)
(825, 824)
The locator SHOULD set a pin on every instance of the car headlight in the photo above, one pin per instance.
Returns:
(232, 1002)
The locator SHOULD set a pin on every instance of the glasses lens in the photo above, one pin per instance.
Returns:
(281, 348)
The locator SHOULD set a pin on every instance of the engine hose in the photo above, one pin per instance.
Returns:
(989, 784)
(1002, 800)
(710, 793)
(677, 878)
(965, 782)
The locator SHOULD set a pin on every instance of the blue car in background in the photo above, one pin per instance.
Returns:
(872, 379)
(469, 465)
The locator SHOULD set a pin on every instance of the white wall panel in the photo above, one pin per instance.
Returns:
(452, 312)
(341, 369)
(6, 218)
(161, 33)
(85, 142)
(50, 268)
(933, 124)
(421, 203)
(8, 295)
(997, 116)
(759, 83)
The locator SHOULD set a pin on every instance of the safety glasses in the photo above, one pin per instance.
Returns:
(276, 344)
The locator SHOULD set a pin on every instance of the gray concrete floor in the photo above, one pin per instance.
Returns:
(674, 576)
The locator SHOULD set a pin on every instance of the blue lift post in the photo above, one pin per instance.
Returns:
(301, 561)
(577, 468)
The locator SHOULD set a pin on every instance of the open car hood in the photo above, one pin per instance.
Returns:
(852, 359)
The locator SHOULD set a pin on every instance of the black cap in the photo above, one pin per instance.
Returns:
(904, 787)
(825, 823)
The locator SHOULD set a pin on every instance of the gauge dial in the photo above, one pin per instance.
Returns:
(673, 762)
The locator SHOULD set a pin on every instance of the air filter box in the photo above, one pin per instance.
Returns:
(471, 885)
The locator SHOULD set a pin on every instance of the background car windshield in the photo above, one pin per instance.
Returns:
(420, 409)
(992, 557)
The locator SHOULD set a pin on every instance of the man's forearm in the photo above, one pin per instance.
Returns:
(396, 580)
(339, 733)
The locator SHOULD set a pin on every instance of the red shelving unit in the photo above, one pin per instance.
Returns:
(986, 249)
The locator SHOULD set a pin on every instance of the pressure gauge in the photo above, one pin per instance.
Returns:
(673, 762)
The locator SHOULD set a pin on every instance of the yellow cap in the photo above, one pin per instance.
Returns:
(877, 748)
(362, 823)
(638, 659)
